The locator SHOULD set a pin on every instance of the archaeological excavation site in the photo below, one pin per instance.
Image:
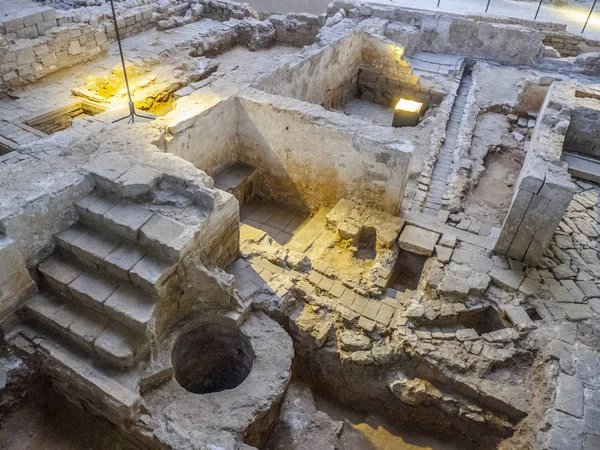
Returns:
(226, 227)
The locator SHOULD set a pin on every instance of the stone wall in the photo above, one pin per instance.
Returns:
(292, 29)
(37, 44)
(583, 134)
(544, 188)
(306, 157)
(385, 76)
(318, 77)
(309, 158)
(571, 44)
(297, 29)
(454, 34)
(15, 282)
(26, 60)
(207, 137)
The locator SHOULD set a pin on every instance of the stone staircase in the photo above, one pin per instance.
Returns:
(99, 289)
(93, 317)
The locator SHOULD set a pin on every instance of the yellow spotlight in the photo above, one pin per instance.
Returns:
(409, 105)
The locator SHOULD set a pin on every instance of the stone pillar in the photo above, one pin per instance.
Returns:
(538, 206)
(15, 282)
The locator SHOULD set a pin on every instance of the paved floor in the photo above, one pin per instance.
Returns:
(279, 222)
(379, 115)
(573, 15)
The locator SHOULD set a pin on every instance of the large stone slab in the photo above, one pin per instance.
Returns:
(417, 240)
(569, 395)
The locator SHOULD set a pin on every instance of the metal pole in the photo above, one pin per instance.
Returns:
(538, 9)
(439, 3)
(588, 17)
(132, 112)
(488, 5)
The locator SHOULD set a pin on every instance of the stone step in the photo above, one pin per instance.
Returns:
(89, 329)
(110, 392)
(136, 224)
(120, 300)
(115, 256)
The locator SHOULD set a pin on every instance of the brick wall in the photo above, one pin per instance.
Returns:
(571, 44)
(342, 94)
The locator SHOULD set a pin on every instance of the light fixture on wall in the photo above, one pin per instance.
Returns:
(407, 113)
(132, 114)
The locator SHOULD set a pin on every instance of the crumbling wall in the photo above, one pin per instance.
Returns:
(458, 35)
(292, 29)
(15, 282)
(297, 29)
(544, 188)
(308, 158)
(26, 60)
(385, 76)
(571, 44)
(327, 76)
(34, 45)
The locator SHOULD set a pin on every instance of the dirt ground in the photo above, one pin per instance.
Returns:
(49, 422)
(497, 160)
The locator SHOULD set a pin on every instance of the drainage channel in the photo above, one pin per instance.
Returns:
(441, 170)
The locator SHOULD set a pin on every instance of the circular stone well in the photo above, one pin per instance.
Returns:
(212, 357)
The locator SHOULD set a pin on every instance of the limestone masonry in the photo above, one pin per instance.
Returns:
(369, 228)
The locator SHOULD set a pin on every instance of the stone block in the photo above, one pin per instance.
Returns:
(443, 253)
(569, 395)
(33, 19)
(576, 312)
(519, 317)
(529, 286)
(25, 56)
(75, 48)
(467, 334)
(507, 278)
(448, 240)
(122, 259)
(366, 324)
(30, 32)
(126, 219)
(107, 168)
(93, 289)
(417, 240)
(49, 14)
(166, 236)
(565, 432)
(151, 272)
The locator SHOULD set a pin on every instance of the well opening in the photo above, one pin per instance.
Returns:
(212, 358)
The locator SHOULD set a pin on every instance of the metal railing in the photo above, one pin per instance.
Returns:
(487, 7)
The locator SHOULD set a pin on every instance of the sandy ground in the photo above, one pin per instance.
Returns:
(573, 14)
(489, 201)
